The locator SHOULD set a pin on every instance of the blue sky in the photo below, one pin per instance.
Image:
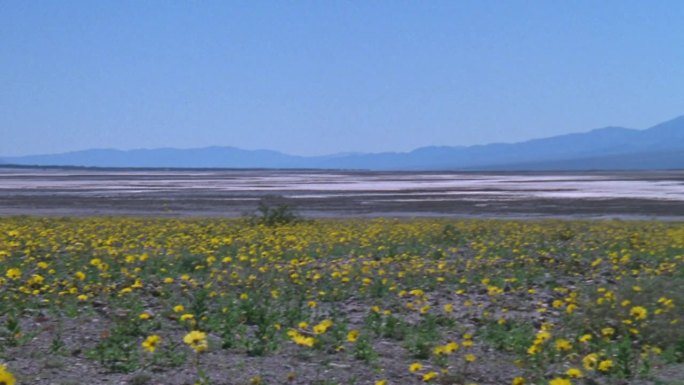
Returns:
(331, 76)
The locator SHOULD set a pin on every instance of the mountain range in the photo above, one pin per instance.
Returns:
(609, 148)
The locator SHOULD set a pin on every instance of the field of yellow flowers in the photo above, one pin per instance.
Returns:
(225, 301)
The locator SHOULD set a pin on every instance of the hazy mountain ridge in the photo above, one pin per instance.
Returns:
(610, 148)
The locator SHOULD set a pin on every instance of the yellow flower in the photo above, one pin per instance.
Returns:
(605, 365)
(438, 350)
(304, 340)
(560, 381)
(322, 327)
(542, 337)
(381, 382)
(414, 367)
(470, 357)
(6, 378)
(518, 381)
(450, 347)
(151, 342)
(301, 339)
(178, 308)
(638, 312)
(563, 345)
(589, 361)
(533, 349)
(574, 373)
(186, 317)
(144, 316)
(429, 376)
(448, 308)
(197, 340)
(353, 335)
(13, 273)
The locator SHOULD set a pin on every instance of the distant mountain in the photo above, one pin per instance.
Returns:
(610, 148)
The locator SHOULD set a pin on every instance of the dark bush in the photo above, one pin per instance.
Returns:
(274, 211)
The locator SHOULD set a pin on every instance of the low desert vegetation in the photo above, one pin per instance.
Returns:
(217, 301)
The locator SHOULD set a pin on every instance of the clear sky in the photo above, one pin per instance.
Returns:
(317, 77)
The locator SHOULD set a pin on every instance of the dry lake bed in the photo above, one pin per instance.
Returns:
(316, 193)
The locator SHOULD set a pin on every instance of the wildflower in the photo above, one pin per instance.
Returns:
(605, 365)
(638, 312)
(322, 327)
(178, 308)
(13, 273)
(304, 340)
(542, 337)
(574, 373)
(563, 345)
(151, 342)
(470, 357)
(301, 339)
(450, 347)
(381, 382)
(518, 381)
(448, 308)
(353, 335)
(533, 349)
(6, 378)
(144, 316)
(197, 340)
(438, 350)
(560, 381)
(429, 376)
(186, 316)
(589, 361)
(414, 367)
